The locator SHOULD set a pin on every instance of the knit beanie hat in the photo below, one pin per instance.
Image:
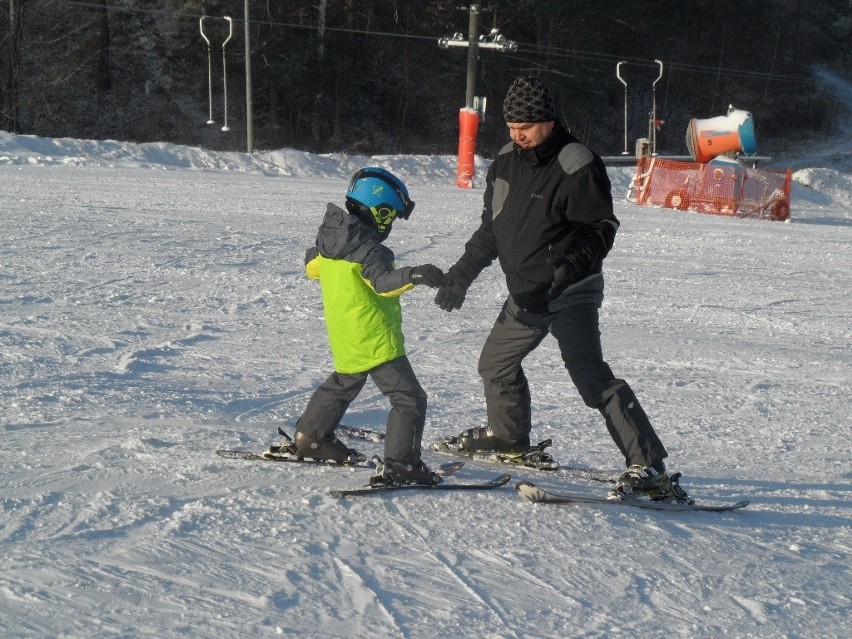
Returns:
(528, 100)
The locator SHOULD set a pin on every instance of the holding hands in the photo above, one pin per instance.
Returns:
(450, 296)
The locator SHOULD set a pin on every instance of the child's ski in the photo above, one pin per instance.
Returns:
(490, 484)
(273, 457)
(285, 451)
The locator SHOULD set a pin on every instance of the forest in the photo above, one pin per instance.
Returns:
(369, 76)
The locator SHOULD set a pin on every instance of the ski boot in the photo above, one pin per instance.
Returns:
(283, 448)
(649, 481)
(483, 440)
(330, 449)
(393, 472)
(480, 443)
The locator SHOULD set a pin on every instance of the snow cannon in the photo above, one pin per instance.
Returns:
(708, 138)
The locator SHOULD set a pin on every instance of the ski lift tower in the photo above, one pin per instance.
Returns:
(249, 103)
(624, 82)
(474, 108)
(644, 146)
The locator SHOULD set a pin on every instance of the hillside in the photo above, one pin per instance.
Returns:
(368, 76)
(154, 309)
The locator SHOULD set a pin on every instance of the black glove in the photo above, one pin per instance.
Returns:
(427, 274)
(566, 271)
(579, 261)
(450, 296)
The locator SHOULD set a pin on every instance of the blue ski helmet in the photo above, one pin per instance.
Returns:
(377, 197)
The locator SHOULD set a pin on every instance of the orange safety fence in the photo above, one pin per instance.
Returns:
(721, 187)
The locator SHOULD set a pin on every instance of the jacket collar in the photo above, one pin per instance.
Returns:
(548, 149)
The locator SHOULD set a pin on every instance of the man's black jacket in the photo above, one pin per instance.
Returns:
(542, 205)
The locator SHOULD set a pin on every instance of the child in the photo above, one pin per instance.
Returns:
(360, 293)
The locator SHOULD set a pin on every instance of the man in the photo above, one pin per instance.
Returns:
(548, 218)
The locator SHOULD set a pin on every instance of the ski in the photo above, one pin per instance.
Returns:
(540, 496)
(352, 432)
(285, 451)
(272, 457)
(495, 482)
(356, 432)
(535, 459)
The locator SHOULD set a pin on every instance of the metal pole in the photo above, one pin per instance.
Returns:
(618, 75)
(209, 72)
(654, 110)
(472, 52)
(249, 104)
(226, 128)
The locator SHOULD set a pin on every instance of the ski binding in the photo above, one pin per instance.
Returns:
(535, 457)
(285, 451)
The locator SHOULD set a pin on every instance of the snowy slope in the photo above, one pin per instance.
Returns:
(153, 308)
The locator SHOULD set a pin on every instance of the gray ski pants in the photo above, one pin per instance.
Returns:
(516, 333)
(396, 380)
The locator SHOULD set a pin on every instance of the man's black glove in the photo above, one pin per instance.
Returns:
(581, 260)
(566, 271)
(428, 275)
(450, 296)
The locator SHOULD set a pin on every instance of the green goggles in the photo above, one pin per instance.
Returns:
(384, 215)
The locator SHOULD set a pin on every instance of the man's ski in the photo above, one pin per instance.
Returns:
(535, 459)
(356, 432)
(495, 482)
(541, 496)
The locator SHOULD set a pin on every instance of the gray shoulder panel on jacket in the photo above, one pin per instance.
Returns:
(507, 148)
(498, 197)
(574, 156)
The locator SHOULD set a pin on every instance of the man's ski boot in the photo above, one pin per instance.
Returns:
(331, 449)
(649, 481)
(480, 443)
(475, 440)
(392, 472)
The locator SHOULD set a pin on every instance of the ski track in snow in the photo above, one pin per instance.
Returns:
(479, 596)
(151, 314)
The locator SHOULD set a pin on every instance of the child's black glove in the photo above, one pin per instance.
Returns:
(428, 275)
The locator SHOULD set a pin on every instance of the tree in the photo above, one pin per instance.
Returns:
(104, 81)
(10, 105)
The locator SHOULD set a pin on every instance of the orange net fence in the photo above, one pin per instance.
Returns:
(721, 187)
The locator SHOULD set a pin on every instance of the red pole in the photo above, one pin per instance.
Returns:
(468, 130)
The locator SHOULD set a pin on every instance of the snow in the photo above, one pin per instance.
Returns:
(154, 309)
